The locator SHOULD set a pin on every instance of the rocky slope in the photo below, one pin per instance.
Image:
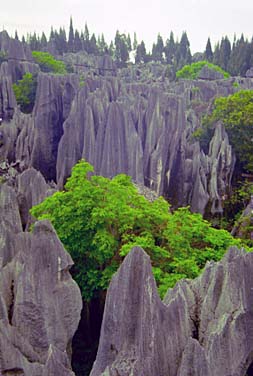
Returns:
(40, 304)
(140, 124)
(203, 327)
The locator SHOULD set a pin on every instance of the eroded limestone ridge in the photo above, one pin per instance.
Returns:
(120, 122)
(40, 304)
(203, 327)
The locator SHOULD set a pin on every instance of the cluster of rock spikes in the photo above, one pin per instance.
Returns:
(203, 327)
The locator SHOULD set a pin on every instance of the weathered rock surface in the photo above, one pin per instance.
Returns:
(121, 122)
(207, 73)
(40, 304)
(204, 327)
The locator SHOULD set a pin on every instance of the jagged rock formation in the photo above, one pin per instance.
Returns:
(121, 122)
(203, 327)
(40, 304)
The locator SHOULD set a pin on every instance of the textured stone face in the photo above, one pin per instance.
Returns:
(204, 327)
(40, 304)
(119, 125)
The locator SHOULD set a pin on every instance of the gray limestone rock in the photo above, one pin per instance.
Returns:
(40, 304)
(209, 74)
(249, 73)
(204, 327)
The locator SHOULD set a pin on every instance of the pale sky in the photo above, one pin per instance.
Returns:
(199, 18)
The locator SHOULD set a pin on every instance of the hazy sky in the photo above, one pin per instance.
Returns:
(200, 18)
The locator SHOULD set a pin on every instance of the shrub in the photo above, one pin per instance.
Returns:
(236, 113)
(99, 220)
(190, 72)
(25, 92)
(48, 63)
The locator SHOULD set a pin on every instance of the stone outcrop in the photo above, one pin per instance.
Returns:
(40, 304)
(210, 74)
(203, 327)
(121, 124)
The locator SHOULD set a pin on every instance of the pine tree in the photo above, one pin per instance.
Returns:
(93, 49)
(158, 49)
(208, 51)
(16, 35)
(184, 52)
(141, 53)
(225, 52)
(77, 42)
(43, 41)
(170, 49)
(71, 37)
(135, 43)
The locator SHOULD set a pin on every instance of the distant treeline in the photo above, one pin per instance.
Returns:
(236, 58)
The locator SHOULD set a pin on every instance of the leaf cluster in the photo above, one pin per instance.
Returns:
(48, 63)
(191, 72)
(25, 92)
(236, 113)
(99, 220)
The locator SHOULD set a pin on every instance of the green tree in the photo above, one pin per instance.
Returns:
(99, 220)
(71, 39)
(48, 63)
(141, 54)
(25, 92)
(121, 53)
(190, 72)
(158, 49)
(170, 50)
(209, 51)
(236, 113)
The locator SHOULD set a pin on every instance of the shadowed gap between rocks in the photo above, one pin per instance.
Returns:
(86, 338)
(250, 370)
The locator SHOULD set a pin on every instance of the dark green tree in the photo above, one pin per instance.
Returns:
(43, 41)
(184, 53)
(135, 42)
(158, 49)
(121, 53)
(71, 39)
(225, 52)
(77, 42)
(141, 53)
(209, 51)
(25, 92)
(170, 50)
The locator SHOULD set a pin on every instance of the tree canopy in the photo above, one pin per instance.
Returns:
(25, 92)
(48, 63)
(236, 113)
(190, 72)
(99, 220)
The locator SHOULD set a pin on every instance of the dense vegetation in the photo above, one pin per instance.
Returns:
(25, 92)
(99, 220)
(191, 72)
(236, 113)
(48, 63)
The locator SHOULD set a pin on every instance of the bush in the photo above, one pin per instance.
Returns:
(99, 220)
(48, 63)
(25, 92)
(190, 72)
(236, 113)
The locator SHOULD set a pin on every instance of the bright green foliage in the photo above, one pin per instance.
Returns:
(190, 72)
(236, 113)
(48, 63)
(99, 220)
(25, 92)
